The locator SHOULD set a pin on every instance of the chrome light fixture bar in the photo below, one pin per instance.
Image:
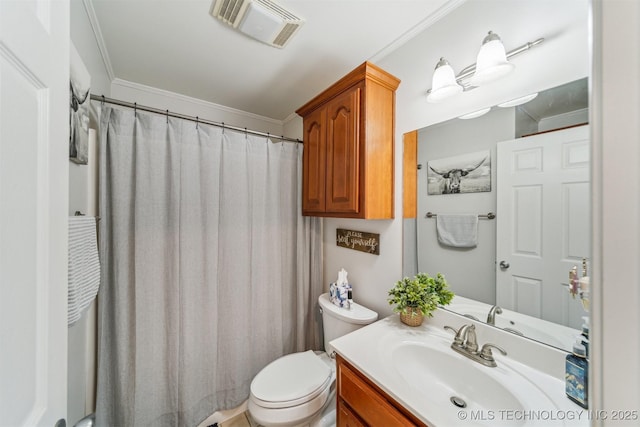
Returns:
(465, 77)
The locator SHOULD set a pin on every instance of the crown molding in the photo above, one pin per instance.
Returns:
(191, 100)
(290, 117)
(443, 11)
(97, 32)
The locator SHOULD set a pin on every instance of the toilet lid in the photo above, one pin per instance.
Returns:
(290, 380)
(356, 315)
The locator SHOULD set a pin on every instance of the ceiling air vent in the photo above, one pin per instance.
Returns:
(263, 20)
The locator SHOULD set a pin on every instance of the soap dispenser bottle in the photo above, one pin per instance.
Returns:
(577, 375)
(585, 334)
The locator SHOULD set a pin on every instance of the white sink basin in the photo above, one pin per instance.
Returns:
(417, 367)
(448, 380)
(444, 375)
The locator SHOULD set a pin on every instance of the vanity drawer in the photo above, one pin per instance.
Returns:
(367, 401)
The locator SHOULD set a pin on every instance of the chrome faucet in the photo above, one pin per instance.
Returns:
(491, 317)
(466, 343)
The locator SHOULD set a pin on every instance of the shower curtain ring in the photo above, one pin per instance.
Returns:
(102, 103)
(135, 109)
(223, 128)
(167, 116)
(246, 134)
(197, 122)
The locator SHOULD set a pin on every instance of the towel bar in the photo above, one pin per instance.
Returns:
(490, 215)
(78, 213)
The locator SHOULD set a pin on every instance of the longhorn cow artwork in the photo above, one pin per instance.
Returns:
(468, 173)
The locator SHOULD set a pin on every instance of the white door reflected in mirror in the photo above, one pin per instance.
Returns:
(543, 200)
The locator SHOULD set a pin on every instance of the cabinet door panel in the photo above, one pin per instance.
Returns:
(343, 148)
(346, 418)
(370, 406)
(314, 162)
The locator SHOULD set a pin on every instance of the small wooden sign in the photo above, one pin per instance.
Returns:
(358, 240)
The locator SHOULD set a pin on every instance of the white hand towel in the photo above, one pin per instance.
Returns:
(459, 231)
(84, 265)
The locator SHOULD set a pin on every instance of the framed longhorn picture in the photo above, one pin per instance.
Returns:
(466, 173)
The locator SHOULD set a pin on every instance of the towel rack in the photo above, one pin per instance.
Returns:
(490, 215)
(79, 213)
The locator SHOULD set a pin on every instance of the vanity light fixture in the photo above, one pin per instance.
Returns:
(475, 114)
(518, 101)
(492, 63)
(444, 82)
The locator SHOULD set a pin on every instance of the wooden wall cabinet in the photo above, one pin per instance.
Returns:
(362, 403)
(348, 164)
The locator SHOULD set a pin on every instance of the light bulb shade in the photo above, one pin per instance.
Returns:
(518, 101)
(475, 114)
(444, 82)
(492, 61)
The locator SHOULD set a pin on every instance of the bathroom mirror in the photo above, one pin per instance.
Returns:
(557, 69)
(533, 304)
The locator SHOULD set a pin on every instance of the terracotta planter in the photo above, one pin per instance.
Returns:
(414, 317)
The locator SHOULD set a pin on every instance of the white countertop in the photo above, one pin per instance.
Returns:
(369, 349)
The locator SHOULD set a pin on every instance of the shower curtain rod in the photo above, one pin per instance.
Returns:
(135, 106)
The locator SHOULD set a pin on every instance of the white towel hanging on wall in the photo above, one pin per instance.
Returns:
(84, 265)
(458, 230)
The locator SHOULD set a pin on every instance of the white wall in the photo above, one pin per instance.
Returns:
(615, 330)
(81, 359)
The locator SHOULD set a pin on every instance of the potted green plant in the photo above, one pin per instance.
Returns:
(419, 297)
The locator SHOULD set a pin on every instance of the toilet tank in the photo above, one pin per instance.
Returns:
(337, 321)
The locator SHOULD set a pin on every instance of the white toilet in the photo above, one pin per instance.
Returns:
(299, 389)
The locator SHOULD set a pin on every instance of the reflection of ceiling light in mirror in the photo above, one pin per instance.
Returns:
(475, 114)
(518, 101)
(444, 82)
(492, 61)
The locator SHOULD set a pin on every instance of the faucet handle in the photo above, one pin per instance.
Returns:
(451, 328)
(487, 355)
(461, 335)
(458, 340)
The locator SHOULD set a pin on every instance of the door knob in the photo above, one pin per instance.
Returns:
(504, 265)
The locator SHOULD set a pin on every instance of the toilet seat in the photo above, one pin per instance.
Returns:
(300, 388)
(291, 380)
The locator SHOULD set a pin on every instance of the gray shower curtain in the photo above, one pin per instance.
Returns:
(209, 271)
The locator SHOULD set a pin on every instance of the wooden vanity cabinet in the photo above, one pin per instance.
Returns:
(362, 403)
(348, 133)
